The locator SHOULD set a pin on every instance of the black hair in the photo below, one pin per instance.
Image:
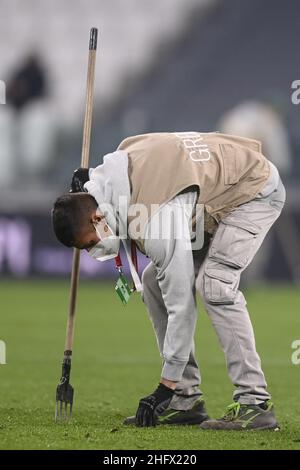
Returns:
(70, 214)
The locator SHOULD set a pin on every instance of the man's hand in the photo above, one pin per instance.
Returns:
(80, 177)
(153, 404)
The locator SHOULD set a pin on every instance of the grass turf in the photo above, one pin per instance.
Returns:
(116, 362)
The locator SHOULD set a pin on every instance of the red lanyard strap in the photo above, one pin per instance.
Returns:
(119, 264)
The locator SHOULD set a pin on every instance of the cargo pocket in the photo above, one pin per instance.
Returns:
(219, 286)
(234, 241)
(230, 163)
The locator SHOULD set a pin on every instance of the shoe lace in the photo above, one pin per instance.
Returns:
(232, 411)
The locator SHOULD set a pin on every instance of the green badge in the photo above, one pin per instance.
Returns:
(122, 289)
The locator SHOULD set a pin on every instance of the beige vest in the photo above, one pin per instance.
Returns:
(226, 170)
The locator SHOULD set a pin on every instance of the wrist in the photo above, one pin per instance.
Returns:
(163, 393)
(168, 383)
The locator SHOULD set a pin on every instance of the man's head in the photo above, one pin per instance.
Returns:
(74, 217)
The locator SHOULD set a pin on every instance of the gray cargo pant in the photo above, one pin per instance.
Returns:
(218, 267)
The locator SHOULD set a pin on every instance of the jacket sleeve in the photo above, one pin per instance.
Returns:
(168, 245)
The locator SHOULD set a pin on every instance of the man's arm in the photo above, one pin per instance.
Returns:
(173, 258)
(170, 250)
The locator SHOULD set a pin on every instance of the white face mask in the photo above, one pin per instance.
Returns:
(108, 245)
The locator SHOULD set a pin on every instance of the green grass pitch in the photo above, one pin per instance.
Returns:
(115, 363)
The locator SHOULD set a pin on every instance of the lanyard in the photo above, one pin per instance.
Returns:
(133, 265)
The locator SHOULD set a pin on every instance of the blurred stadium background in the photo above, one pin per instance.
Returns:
(167, 65)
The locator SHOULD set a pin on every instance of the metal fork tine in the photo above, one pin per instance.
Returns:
(64, 393)
(56, 411)
(62, 412)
